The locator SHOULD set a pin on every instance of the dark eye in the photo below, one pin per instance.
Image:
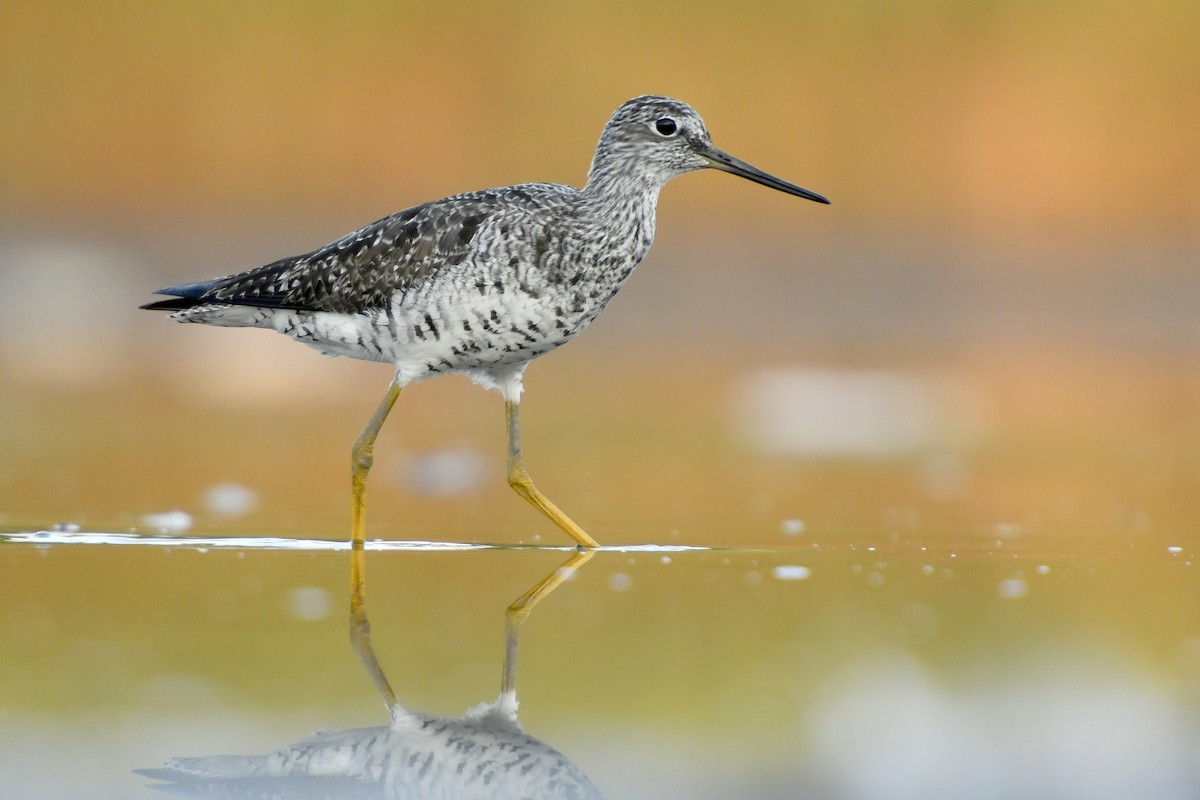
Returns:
(666, 126)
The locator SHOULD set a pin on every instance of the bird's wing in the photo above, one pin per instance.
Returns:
(363, 269)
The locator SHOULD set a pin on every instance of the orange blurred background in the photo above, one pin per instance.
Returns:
(1015, 192)
(999, 118)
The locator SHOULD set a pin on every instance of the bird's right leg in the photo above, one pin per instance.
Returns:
(522, 484)
(361, 458)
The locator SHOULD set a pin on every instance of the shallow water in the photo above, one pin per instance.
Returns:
(894, 669)
(960, 575)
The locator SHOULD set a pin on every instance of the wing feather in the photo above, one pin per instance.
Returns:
(366, 268)
(362, 270)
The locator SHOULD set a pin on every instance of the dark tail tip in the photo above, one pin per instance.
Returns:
(174, 304)
(185, 295)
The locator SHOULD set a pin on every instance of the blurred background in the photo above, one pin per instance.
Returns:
(994, 321)
(980, 364)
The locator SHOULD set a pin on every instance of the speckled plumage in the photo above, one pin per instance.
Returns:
(482, 282)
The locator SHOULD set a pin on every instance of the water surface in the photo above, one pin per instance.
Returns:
(829, 670)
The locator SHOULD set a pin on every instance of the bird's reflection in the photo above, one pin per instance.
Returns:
(482, 754)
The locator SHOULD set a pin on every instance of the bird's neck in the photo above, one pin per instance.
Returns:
(622, 200)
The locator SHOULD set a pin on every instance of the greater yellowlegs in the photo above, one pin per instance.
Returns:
(481, 283)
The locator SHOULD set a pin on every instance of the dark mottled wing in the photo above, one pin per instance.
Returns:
(360, 271)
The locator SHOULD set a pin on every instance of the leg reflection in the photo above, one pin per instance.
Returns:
(514, 618)
(520, 609)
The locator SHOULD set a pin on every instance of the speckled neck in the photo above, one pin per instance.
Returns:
(621, 194)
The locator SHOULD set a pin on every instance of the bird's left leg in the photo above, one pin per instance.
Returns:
(362, 457)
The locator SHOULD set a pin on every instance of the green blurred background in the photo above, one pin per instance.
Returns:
(1015, 191)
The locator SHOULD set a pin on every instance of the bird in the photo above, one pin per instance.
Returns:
(480, 283)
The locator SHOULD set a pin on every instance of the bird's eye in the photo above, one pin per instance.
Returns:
(666, 126)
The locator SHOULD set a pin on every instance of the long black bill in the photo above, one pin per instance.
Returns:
(718, 159)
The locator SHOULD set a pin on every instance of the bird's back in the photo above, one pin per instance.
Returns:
(475, 282)
(367, 268)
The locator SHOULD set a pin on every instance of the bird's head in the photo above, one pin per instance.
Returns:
(658, 138)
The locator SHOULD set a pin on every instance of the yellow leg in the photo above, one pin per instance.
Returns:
(362, 456)
(514, 618)
(518, 479)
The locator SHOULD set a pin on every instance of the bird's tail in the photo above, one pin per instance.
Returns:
(183, 296)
